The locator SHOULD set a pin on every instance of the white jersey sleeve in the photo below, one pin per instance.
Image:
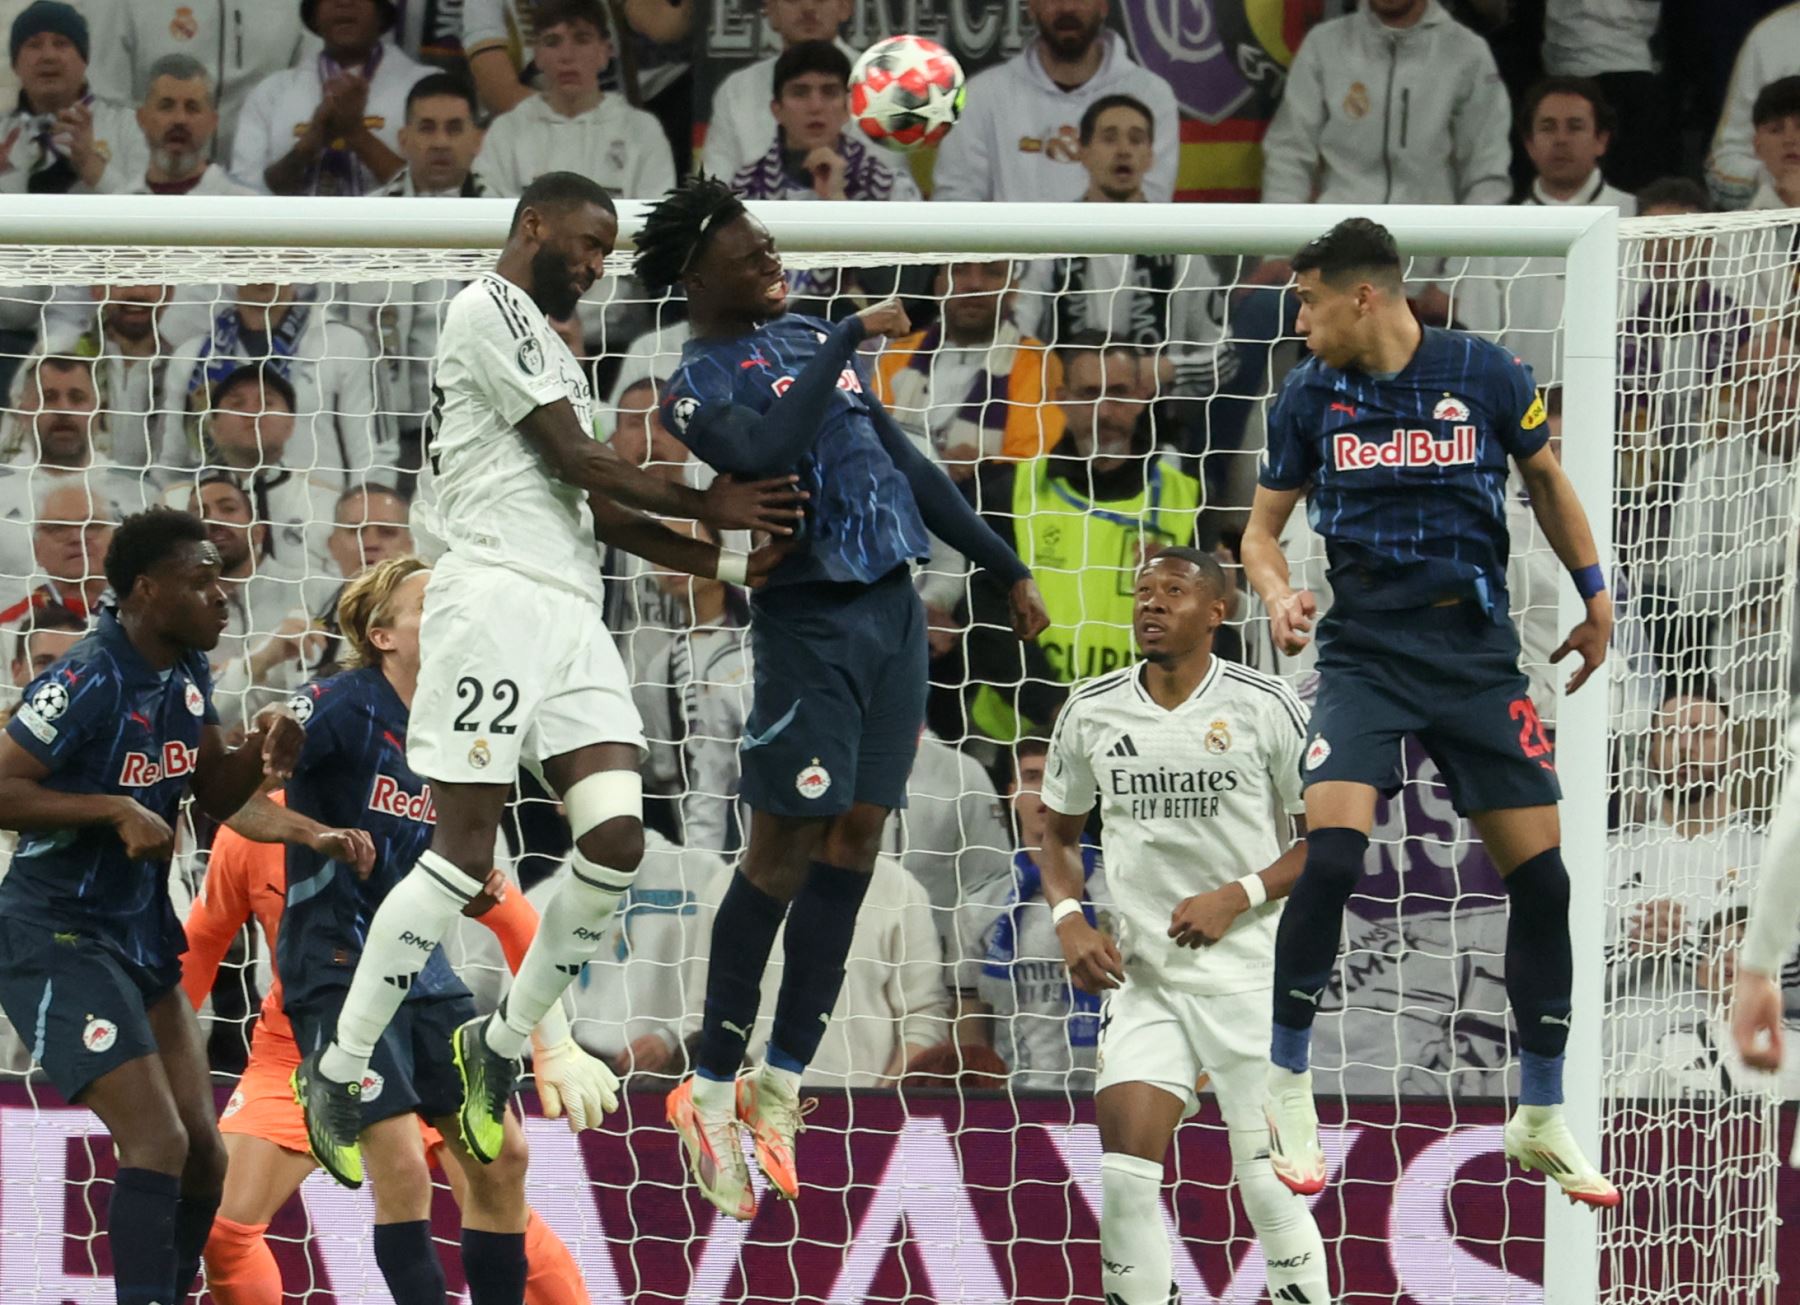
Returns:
(1069, 785)
(502, 354)
(1286, 744)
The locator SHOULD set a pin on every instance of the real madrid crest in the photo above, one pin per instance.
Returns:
(479, 756)
(1218, 737)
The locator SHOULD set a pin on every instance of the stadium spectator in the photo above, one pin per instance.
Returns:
(269, 642)
(439, 140)
(40, 642)
(1732, 533)
(496, 43)
(329, 125)
(950, 837)
(341, 436)
(1397, 103)
(893, 1005)
(61, 136)
(1082, 517)
(1567, 126)
(51, 441)
(572, 124)
(71, 530)
(694, 697)
(1776, 142)
(1669, 864)
(739, 131)
(1151, 300)
(368, 525)
(1734, 170)
(236, 43)
(1013, 991)
(178, 120)
(1018, 138)
(631, 1001)
(973, 385)
(246, 434)
(1608, 41)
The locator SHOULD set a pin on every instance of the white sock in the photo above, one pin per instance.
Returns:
(715, 1096)
(411, 921)
(1134, 1245)
(783, 1078)
(1292, 1247)
(573, 927)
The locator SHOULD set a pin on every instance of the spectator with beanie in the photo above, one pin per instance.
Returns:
(1567, 125)
(62, 137)
(739, 131)
(572, 125)
(330, 124)
(237, 43)
(1019, 139)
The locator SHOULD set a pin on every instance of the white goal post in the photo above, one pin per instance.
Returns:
(79, 241)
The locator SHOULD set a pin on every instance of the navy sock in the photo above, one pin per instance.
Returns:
(742, 937)
(494, 1265)
(1306, 945)
(820, 925)
(140, 1225)
(1540, 972)
(409, 1263)
(193, 1225)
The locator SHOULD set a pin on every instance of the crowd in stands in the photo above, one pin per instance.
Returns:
(1093, 408)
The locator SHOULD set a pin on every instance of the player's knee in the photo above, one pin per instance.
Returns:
(402, 1182)
(605, 811)
(618, 844)
(505, 1177)
(854, 839)
(1334, 856)
(204, 1170)
(1541, 883)
(159, 1143)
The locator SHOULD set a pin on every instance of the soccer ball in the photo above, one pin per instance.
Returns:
(906, 92)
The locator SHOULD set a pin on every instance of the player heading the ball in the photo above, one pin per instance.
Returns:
(517, 490)
(1400, 436)
(838, 638)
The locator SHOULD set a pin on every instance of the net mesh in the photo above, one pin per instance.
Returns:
(975, 1175)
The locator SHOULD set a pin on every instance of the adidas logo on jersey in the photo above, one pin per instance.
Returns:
(1408, 448)
(1123, 748)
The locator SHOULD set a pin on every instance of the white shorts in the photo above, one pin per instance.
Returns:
(511, 668)
(1184, 1042)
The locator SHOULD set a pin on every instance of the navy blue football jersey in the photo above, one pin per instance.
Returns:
(352, 774)
(862, 520)
(1408, 472)
(106, 721)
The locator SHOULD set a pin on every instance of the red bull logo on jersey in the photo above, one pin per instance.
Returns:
(141, 770)
(392, 800)
(1408, 448)
(847, 380)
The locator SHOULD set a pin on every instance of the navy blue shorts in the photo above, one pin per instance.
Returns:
(412, 1070)
(81, 1007)
(1448, 675)
(840, 696)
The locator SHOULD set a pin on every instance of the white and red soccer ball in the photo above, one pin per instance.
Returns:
(906, 92)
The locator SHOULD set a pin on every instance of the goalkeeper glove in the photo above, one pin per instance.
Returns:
(570, 1079)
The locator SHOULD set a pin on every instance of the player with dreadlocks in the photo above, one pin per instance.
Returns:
(838, 637)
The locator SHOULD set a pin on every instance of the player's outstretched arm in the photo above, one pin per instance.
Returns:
(1291, 611)
(947, 515)
(1565, 525)
(1201, 920)
(620, 527)
(25, 804)
(1095, 965)
(264, 820)
(576, 458)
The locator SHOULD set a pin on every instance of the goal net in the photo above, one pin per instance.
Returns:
(269, 366)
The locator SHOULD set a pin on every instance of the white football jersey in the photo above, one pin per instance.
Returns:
(1190, 800)
(488, 497)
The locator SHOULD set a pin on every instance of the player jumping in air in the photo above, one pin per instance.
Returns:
(1191, 758)
(1403, 436)
(838, 639)
(356, 818)
(93, 768)
(516, 661)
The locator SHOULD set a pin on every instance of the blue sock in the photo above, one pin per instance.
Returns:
(821, 922)
(782, 1059)
(743, 936)
(494, 1265)
(1291, 1048)
(140, 1225)
(1540, 972)
(193, 1225)
(1312, 923)
(409, 1263)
